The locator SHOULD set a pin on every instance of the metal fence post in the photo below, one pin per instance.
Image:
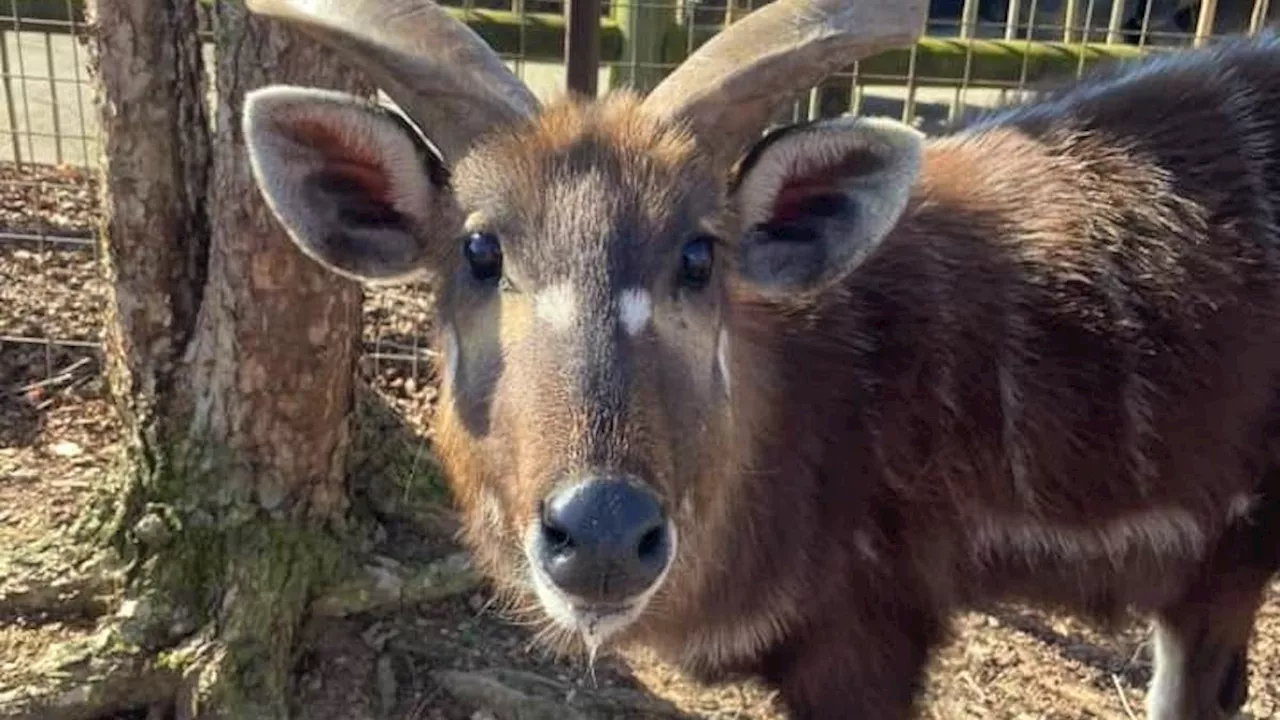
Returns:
(1204, 24)
(582, 46)
(7, 77)
(644, 25)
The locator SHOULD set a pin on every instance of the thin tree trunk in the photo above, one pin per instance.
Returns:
(274, 366)
(155, 167)
(232, 354)
(276, 344)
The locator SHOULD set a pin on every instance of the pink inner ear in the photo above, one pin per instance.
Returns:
(789, 203)
(368, 176)
(344, 160)
(823, 180)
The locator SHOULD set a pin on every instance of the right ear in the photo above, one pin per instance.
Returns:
(352, 183)
(817, 199)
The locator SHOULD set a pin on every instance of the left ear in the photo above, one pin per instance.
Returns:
(353, 185)
(815, 200)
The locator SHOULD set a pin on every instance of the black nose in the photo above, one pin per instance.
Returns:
(604, 540)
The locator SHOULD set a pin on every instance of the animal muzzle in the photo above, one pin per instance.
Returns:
(603, 541)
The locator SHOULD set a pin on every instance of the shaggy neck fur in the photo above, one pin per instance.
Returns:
(1058, 337)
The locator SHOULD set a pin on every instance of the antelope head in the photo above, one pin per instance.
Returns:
(586, 257)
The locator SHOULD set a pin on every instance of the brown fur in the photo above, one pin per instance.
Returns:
(557, 192)
(1076, 323)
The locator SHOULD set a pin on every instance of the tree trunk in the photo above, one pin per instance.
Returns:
(232, 356)
(155, 167)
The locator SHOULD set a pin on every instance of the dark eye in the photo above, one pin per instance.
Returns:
(696, 259)
(484, 255)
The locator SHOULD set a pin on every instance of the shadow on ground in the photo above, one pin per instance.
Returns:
(33, 377)
(452, 659)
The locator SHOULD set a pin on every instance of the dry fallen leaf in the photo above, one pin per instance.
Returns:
(66, 448)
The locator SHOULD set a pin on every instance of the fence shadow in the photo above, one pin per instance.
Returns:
(395, 480)
(1112, 656)
(33, 378)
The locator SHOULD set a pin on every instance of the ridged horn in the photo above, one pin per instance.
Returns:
(729, 87)
(439, 71)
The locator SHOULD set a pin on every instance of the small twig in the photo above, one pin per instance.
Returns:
(76, 384)
(57, 378)
(974, 686)
(1137, 650)
(64, 393)
(1124, 701)
(420, 710)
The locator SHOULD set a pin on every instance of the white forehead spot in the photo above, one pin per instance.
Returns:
(635, 307)
(450, 354)
(722, 356)
(556, 306)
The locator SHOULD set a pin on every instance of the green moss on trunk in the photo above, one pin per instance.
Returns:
(217, 585)
(272, 569)
(236, 389)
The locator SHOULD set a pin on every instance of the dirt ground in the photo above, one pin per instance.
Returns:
(457, 659)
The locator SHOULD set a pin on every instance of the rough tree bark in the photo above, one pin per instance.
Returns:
(232, 357)
(273, 371)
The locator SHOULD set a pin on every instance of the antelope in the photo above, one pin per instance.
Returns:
(778, 402)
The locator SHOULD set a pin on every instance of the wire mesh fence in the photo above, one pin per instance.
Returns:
(975, 53)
